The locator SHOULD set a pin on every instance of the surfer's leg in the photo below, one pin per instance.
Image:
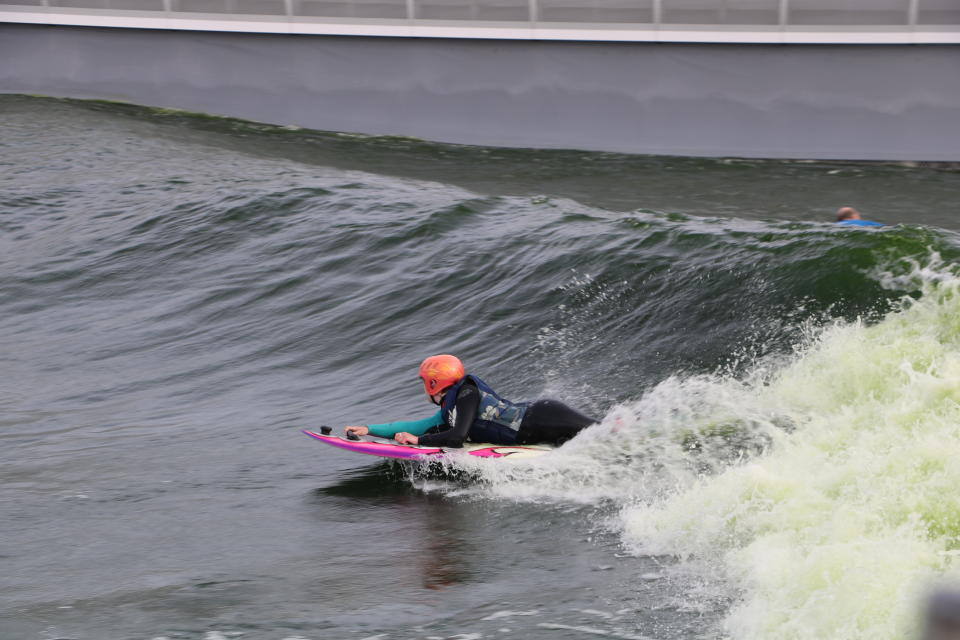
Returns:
(552, 422)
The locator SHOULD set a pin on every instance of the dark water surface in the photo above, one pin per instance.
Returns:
(179, 295)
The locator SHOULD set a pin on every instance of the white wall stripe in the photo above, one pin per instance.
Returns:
(508, 31)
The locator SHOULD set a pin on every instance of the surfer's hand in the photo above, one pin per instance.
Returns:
(359, 430)
(406, 438)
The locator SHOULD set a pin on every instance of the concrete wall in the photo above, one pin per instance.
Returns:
(866, 102)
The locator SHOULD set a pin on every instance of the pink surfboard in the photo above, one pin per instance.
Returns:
(389, 449)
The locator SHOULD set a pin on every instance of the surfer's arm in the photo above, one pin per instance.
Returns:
(415, 427)
(468, 403)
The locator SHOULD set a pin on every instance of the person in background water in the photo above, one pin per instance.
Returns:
(848, 216)
(472, 411)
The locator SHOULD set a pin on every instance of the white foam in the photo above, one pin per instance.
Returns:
(593, 631)
(836, 532)
(510, 614)
(595, 612)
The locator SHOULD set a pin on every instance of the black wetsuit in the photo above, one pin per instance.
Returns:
(545, 421)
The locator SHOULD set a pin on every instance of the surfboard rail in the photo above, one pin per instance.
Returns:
(386, 449)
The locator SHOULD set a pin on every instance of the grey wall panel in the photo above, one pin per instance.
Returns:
(888, 102)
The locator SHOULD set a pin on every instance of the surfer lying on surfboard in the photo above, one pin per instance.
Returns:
(472, 411)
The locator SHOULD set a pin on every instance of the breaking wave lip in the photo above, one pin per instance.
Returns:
(846, 520)
(821, 487)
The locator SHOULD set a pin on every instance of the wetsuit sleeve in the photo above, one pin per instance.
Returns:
(468, 403)
(416, 427)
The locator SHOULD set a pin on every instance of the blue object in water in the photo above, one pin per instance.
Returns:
(860, 223)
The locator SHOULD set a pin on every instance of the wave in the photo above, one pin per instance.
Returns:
(777, 394)
(820, 485)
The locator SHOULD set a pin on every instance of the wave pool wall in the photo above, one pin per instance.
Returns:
(852, 102)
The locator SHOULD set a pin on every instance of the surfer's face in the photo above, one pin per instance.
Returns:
(435, 398)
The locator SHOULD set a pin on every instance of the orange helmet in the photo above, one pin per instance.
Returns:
(439, 372)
